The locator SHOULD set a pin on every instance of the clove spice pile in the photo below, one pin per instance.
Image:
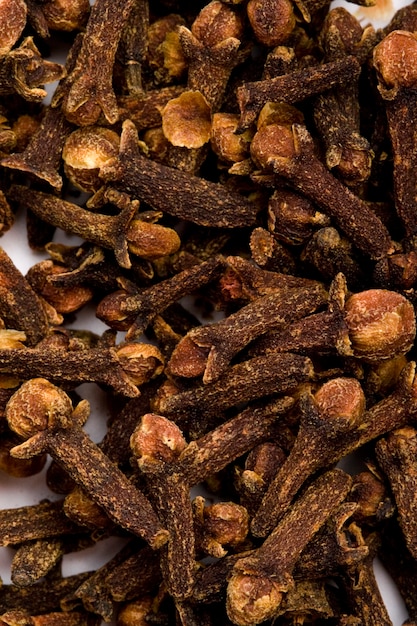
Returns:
(243, 178)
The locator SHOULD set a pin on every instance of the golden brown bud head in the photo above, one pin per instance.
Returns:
(186, 120)
(215, 23)
(151, 241)
(110, 311)
(12, 22)
(23, 129)
(395, 59)
(135, 613)
(272, 142)
(225, 142)
(140, 361)
(280, 113)
(251, 599)
(66, 15)
(64, 299)
(156, 439)
(85, 151)
(341, 399)
(369, 492)
(36, 406)
(188, 359)
(381, 324)
(79, 508)
(227, 523)
(11, 339)
(272, 21)
(19, 468)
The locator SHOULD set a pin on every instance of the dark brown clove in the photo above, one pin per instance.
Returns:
(292, 87)
(88, 88)
(212, 49)
(393, 61)
(44, 415)
(20, 307)
(122, 233)
(290, 153)
(209, 349)
(24, 71)
(138, 310)
(396, 454)
(174, 192)
(259, 581)
(392, 412)
(156, 445)
(121, 368)
(269, 375)
(42, 156)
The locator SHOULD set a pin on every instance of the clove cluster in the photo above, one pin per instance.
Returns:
(242, 175)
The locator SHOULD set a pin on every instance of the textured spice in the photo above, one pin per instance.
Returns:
(240, 175)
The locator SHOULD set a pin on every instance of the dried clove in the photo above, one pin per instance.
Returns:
(122, 233)
(174, 192)
(259, 581)
(44, 415)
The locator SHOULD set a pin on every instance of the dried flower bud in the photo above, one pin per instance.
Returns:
(11, 339)
(226, 523)
(369, 493)
(280, 113)
(37, 405)
(186, 120)
(110, 310)
(64, 299)
(79, 508)
(151, 241)
(136, 613)
(19, 468)
(66, 15)
(156, 439)
(381, 324)
(292, 217)
(12, 22)
(272, 141)
(341, 399)
(225, 142)
(165, 55)
(140, 361)
(395, 60)
(85, 151)
(23, 128)
(215, 23)
(272, 21)
(252, 599)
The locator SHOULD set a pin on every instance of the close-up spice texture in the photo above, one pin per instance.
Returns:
(220, 199)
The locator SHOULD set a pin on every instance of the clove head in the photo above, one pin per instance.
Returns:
(140, 361)
(272, 21)
(273, 141)
(36, 406)
(151, 241)
(12, 22)
(156, 440)
(66, 15)
(395, 60)
(252, 599)
(85, 151)
(381, 324)
(186, 120)
(215, 23)
(341, 399)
